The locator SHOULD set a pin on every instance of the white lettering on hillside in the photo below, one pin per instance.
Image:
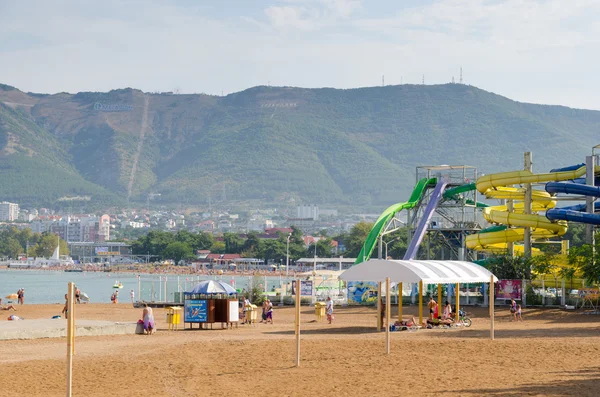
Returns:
(104, 107)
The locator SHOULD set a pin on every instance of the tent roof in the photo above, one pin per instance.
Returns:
(430, 272)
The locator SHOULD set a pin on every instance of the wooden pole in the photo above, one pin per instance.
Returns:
(70, 337)
(399, 301)
(457, 301)
(439, 297)
(379, 319)
(297, 322)
(492, 307)
(420, 302)
(388, 316)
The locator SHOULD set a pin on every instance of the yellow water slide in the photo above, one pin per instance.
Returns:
(499, 186)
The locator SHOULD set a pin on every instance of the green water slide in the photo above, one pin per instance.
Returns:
(415, 197)
(456, 194)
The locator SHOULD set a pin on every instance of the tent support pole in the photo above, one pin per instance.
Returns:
(297, 324)
(399, 301)
(388, 302)
(492, 307)
(439, 297)
(379, 319)
(420, 302)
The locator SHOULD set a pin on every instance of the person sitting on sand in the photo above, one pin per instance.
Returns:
(407, 323)
(440, 321)
(9, 307)
(148, 317)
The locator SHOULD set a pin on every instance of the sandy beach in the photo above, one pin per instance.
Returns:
(551, 353)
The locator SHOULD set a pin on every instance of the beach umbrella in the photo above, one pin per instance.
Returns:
(213, 287)
(12, 296)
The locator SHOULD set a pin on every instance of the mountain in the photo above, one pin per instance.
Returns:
(277, 145)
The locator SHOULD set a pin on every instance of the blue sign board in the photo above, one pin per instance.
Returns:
(195, 311)
(306, 288)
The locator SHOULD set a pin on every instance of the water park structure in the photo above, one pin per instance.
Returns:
(445, 203)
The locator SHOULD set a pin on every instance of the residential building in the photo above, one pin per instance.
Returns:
(308, 212)
(75, 229)
(9, 211)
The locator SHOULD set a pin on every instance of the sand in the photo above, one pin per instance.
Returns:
(550, 353)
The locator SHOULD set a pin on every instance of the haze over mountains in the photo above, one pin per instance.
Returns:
(275, 145)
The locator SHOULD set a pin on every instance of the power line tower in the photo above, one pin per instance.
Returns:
(461, 80)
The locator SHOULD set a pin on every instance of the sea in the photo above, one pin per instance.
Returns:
(43, 286)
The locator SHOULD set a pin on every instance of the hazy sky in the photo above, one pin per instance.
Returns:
(530, 51)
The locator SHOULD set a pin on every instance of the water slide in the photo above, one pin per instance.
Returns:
(425, 220)
(574, 213)
(455, 194)
(384, 218)
(498, 186)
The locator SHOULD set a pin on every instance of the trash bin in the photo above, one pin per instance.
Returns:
(320, 310)
(173, 317)
(251, 313)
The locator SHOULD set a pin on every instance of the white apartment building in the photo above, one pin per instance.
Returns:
(75, 229)
(9, 211)
(308, 212)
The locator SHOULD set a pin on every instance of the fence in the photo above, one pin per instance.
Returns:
(170, 288)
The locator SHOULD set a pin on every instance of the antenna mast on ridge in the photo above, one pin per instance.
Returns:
(461, 80)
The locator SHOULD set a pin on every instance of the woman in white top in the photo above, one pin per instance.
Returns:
(447, 313)
(329, 309)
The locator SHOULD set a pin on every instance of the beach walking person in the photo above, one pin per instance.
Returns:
(132, 295)
(432, 305)
(513, 310)
(77, 295)
(269, 312)
(245, 307)
(65, 309)
(21, 296)
(329, 310)
(518, 314)
(148, 317)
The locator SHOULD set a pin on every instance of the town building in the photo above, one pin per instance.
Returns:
(75, 229)
(9, 211)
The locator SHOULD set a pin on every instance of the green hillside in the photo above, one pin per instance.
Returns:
(283, 145)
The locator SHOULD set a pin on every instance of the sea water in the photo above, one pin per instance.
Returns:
(51, 286)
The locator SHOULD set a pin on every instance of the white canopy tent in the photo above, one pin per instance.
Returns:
(422, 272)
(429, 272)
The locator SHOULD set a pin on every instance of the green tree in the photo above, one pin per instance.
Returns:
(568, 273)
(233, 243)
(177, 251)
(356, 238)
(510, 268)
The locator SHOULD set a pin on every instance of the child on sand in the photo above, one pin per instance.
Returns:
(518, 313)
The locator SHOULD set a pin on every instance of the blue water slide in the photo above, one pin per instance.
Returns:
(425, 220)
(575, 213)
(572, 188)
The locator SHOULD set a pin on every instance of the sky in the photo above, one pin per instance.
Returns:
(528, 50)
